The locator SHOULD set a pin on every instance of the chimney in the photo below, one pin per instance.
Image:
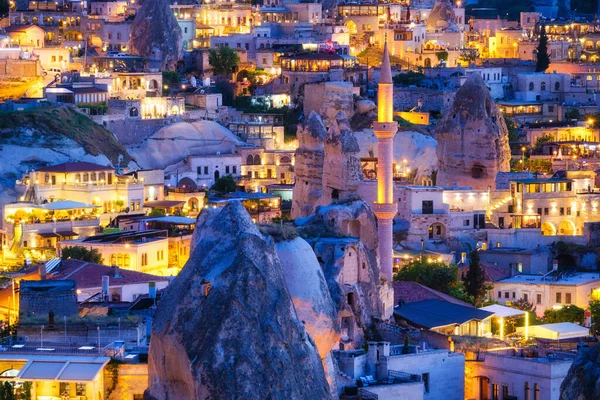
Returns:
(42, 271)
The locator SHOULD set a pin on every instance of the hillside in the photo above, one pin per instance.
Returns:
(30, 139)
(49, 126)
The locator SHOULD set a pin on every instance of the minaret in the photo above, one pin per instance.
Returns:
(385, 129)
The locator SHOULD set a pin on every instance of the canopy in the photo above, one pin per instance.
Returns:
(561, 330)
(67, 205)
(503, 311)
(62, 369)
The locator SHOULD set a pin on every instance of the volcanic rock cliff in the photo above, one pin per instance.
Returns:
(583, 379)
(472, 139)
(240, 337)
(156, 35)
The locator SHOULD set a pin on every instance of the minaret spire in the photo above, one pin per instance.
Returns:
(385, 129)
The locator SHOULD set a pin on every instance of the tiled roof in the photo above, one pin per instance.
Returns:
(437, 313)
(411, 292)
(89, 275)
(493, 272)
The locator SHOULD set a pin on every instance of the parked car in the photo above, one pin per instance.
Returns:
(57, 72)
(112, 53)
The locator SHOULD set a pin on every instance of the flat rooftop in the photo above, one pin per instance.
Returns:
(578, 278)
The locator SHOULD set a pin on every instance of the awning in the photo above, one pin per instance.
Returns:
(67, 233)
(62, 370)
(48, 234)
(561, 330)
(67, 205)
(503, 311)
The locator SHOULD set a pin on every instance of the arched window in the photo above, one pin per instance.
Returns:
(257, 160)
(285, 160)
(557, 86)
(93, 177)
(250, 160)
(113, 259)
(77, 178)
(101, 176)
(543, 87)
(126, 261)
(86, 177)
(531, 86)
(120, 260)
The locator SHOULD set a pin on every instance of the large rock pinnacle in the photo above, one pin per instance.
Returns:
(156, 35)
(239, 339)
(472, 138)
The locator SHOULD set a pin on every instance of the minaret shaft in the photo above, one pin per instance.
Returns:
(385, 129)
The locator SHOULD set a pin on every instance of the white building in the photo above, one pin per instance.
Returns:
(424, 374)
(436, 215)
(523, 377)
(549, 292)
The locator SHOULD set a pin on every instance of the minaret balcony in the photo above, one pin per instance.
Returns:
(385, 210)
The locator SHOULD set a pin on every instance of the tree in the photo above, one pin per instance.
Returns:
(543, 59)
(82, 254)
(223, 60)
(474, 278)
(468, 55)
(512, 127)
(435, 275)
(224, 184)
(570, 313)
(157, 212)
(7, 391)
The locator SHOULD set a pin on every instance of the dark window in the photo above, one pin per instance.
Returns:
(199, 170)
(501, 222)
(539, 298)
(506, 294)
(558, 298)
(426, 382)
(514, 295)
(234, 169)
(568, 210)
(539, 211)
(562, 211)
(499, 294)
(227, 169)
(205, 170)
(525, 297)
(546, 211)
(505, 392)
(427, 206)
(568, 298)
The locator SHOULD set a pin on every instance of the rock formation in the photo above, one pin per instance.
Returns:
(338, 97)
(583, 379)
(156, 35)
(327, 164)
(311, 298)
(342, 171)
(442, 18)
(346, 247)
(310, 155)
(226, 327)
(472, 139)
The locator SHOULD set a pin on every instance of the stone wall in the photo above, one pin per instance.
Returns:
(132, 381)
(431, 100)
(20, 68)
(133, 131)
(43, 298)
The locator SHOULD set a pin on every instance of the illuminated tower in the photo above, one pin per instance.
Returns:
(385, 129)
